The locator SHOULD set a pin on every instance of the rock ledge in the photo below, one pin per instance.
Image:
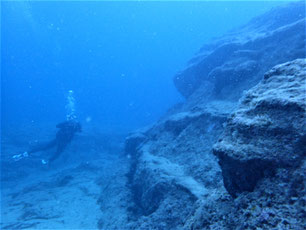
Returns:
(267, 130)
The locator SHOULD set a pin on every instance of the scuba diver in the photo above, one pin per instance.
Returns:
(64, 135)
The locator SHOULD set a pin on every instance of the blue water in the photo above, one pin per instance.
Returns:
(118, 57)
(110, 64)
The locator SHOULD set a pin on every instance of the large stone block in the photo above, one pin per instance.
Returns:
(267, 131)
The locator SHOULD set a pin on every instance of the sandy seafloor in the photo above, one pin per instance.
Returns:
(77, 192)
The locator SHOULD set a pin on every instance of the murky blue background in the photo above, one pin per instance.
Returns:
(118, 57)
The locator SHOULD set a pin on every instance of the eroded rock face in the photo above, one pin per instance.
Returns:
(175, 178)
(177, 182)
(262, 156)
(237, 61)
(267, 131)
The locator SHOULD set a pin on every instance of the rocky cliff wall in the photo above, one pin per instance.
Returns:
(177, 182)
(175, 177)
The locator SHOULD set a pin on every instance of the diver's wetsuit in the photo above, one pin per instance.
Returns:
(64, 135)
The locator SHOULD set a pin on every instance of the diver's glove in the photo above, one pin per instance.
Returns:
(44, 162)
(18, 157)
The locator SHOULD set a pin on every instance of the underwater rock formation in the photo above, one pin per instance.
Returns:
(177, 184)
(167, 169)
(237, 61)
(267, 131)
(175, 179)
